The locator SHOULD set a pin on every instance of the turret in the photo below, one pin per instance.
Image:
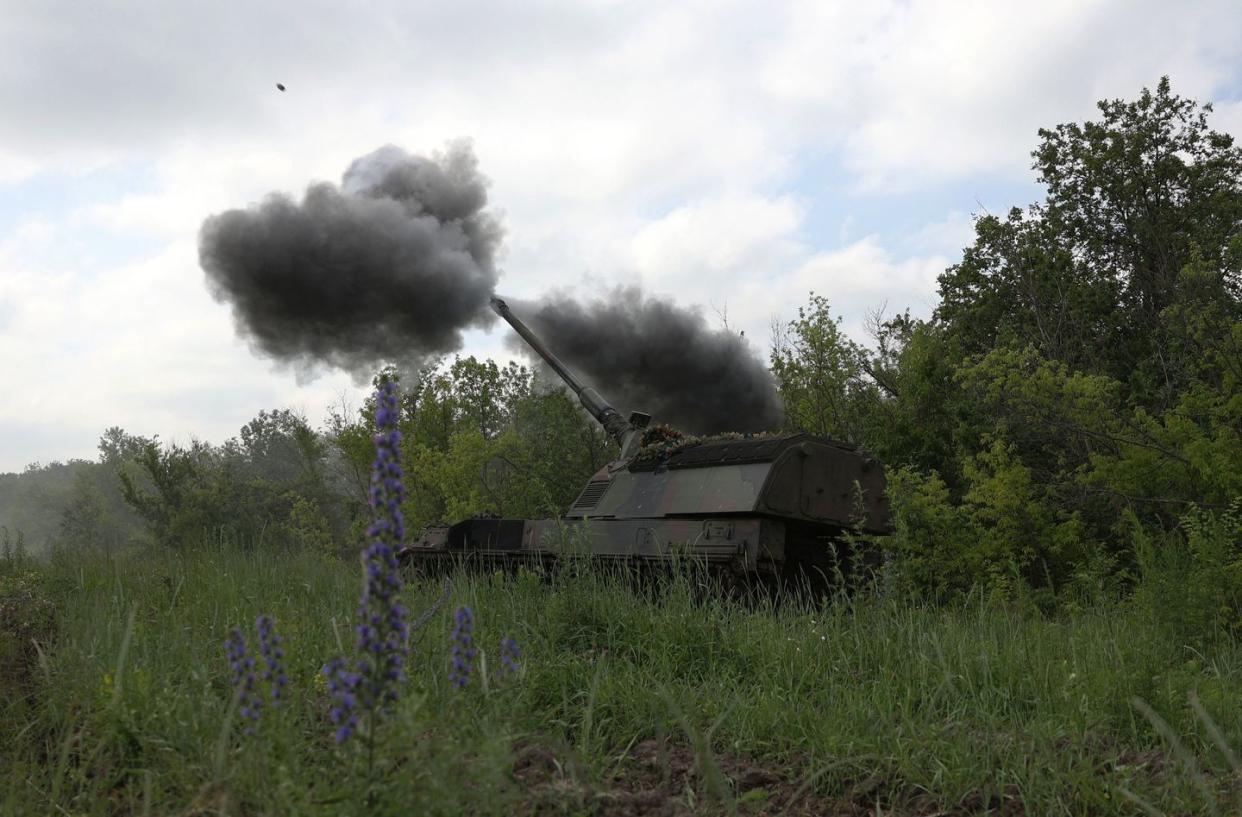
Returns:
(627, 433)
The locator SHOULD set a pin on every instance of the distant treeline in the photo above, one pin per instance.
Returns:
(1068, 420)
(478, 438)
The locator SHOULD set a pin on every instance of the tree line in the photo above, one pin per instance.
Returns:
(479, 438)
(1070, 416)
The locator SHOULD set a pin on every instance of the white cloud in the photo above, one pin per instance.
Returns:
(709, 243)
(923, 91)
(946, 237)
(15, 167)
(140, 346)
(858, 279)
(1227, 118)
(748, 256)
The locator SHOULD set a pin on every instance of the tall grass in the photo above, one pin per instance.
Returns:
(892, 704)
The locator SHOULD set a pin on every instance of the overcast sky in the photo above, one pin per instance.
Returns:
(734, 155)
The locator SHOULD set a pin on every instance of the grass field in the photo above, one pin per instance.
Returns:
(624, 704)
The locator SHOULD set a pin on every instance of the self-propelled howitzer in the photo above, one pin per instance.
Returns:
(762, 505)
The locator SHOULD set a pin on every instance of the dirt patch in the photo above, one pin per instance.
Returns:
(654, 779)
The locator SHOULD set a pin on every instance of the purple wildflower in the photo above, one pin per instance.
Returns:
(381, 630)
(463, 647)
(273, 657)
(343, 687)
(509, 655)
(243, 679)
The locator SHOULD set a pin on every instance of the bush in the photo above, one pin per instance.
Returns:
(1191, 578)
(924, 512)
(27, 626)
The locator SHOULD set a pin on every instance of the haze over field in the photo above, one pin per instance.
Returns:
(726, 159)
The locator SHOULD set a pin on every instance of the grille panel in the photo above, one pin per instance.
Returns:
(591, 495)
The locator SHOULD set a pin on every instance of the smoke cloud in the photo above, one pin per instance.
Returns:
(395, 262)
(648, 354)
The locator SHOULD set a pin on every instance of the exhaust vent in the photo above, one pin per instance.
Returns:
(591, 495)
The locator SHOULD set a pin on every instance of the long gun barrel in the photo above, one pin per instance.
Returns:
(625, 432)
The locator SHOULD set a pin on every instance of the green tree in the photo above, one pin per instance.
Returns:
(478, 438)
(1080, 375)
(85, 523)
(280, 445)
(1088, 276)
(820, 374)
(485, 394)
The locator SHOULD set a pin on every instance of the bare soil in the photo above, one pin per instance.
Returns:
(668, 780)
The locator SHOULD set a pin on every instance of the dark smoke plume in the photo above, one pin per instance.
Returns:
(395, 262)
(648, 354)
(400, 258)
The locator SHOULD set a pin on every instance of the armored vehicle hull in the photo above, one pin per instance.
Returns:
(767, 505)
